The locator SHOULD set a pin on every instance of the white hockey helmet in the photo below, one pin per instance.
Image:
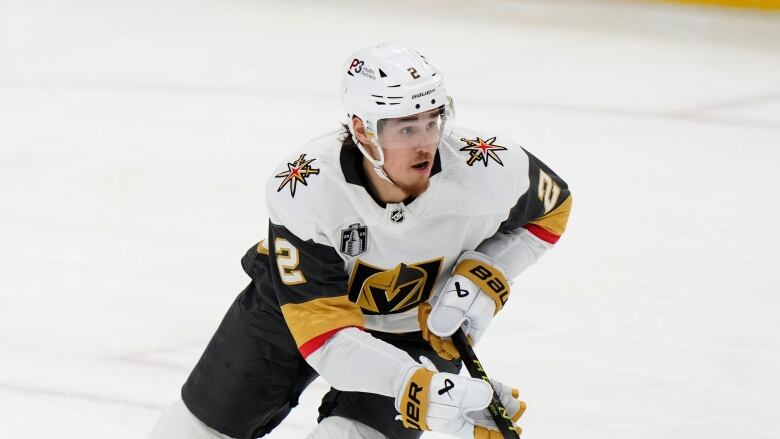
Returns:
(390, 81)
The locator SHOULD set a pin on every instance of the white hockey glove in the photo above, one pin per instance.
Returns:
(476, 291)
(453, 404)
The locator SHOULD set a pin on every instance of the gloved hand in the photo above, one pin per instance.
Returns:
(485, 425)
(476, 291)
(453, 404)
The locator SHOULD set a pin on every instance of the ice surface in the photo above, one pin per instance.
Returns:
(135, 138)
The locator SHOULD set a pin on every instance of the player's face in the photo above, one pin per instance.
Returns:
(409, 145)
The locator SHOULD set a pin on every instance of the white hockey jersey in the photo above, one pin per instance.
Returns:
(345, 259)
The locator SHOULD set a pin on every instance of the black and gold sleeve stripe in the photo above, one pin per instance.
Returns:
(544, 208)
(311, 285)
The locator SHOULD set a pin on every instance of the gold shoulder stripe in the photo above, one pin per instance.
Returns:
(261, 247)
(310, 319)
(555, 221)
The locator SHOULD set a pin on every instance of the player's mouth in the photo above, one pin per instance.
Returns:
(422, 167)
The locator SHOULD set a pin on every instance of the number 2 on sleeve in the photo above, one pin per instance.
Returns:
(548, 191)
(287, 260)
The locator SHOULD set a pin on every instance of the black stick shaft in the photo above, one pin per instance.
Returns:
(497, 410)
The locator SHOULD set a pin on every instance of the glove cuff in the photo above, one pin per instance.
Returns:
(413, 400)
(489, 278)
(477, 256)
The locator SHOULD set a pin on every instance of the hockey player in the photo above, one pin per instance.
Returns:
(383, 240)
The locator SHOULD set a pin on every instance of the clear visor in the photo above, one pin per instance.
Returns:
(422, 130)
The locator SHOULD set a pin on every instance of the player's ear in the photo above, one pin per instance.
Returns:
(360, 133)
(360, 129)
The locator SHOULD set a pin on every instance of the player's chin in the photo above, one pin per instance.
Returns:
(416, 186)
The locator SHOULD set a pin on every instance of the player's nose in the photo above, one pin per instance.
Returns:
(424, 145)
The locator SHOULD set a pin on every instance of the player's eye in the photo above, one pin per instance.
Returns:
(407, 131)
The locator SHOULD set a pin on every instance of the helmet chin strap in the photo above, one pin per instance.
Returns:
(375, 164)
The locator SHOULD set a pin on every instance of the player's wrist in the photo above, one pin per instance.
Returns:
(481, 257)
(403, 380)
(485, 274)
(412, 398)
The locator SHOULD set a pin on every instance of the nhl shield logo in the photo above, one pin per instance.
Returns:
(397, 216)
(354, 240)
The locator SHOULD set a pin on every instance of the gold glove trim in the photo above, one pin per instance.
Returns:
(485, 433)
(414, 403)
(488, 278)
(442, 346)
(519, 412)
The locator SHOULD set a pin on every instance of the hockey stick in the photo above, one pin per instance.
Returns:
(497, 410)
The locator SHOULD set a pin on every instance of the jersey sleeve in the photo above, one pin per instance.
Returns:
(534, 224)
(544, 208)
(311, 285)
(310, 280)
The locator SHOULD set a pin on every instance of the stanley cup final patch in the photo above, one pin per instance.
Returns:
(354, 240)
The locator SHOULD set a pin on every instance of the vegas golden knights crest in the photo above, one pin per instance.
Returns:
(399, 289)
(354, 240)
